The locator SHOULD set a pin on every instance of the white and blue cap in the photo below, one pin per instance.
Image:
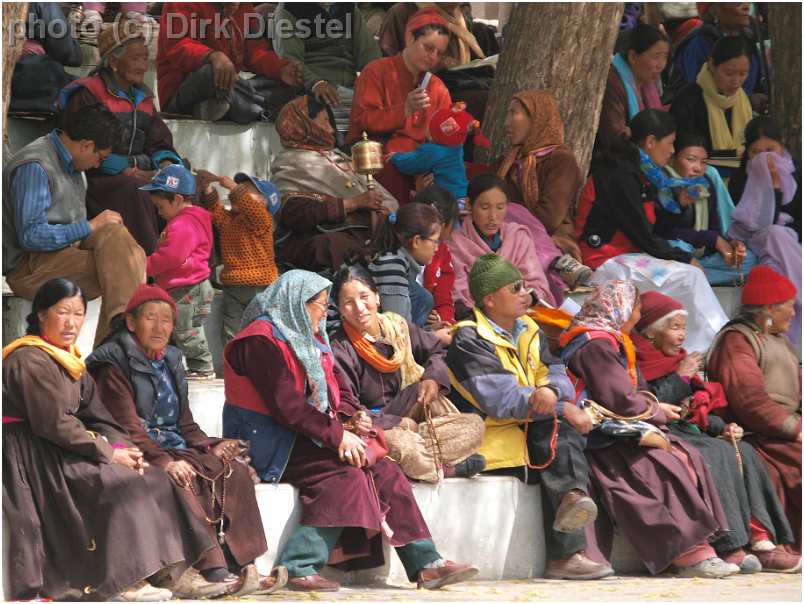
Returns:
(172, 179)
(266, 188)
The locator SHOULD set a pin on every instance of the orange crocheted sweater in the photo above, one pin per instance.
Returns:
(246, 240)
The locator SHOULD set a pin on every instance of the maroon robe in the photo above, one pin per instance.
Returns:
(333, 493)
(733, 363)
(384, 390)
(647, 493)
(245, 537)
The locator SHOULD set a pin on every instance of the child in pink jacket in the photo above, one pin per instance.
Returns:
(180, 263)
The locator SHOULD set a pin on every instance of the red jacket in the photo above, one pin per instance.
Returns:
(439, 280)
(187, 34)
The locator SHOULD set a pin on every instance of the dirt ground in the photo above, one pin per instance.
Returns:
(763, 587)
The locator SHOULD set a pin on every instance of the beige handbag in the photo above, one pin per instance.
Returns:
(407, 448)
(452, 434)
(445, 437)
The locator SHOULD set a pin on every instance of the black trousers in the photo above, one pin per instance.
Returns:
(254, 100)
(568, 471)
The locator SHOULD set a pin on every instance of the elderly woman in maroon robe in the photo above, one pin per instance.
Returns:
(87, 518)
(305, 428)
(142, 381)
(147, 144)
(761, 375)
(756, 516)
(395, 369)
(657, 491)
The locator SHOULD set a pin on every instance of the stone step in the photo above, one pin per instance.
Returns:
(221, 147)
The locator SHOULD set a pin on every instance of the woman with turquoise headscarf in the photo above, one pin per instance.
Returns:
(633, 83)
(701, 226)
(286, 395)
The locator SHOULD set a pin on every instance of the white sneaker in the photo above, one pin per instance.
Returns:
(711, 568)
(144, 592)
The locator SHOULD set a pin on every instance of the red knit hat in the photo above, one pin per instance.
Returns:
(765, 286)
(425, 17)
(656, 305)
(150, 293)
(450, 127)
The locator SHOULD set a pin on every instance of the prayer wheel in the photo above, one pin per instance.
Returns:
(367, 159)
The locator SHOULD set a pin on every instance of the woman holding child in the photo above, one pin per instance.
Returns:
(393, 102)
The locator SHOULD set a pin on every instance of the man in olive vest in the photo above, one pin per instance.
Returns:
(46, 233)
(501, 367)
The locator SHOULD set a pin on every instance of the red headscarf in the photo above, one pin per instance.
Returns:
(425, 17)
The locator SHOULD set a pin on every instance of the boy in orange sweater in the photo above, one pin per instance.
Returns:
(246, 240)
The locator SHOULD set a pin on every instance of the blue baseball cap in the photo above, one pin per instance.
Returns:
(266, 189)
(172, 179)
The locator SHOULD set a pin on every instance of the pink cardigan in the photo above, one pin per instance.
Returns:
(182, 256)
(466, 245)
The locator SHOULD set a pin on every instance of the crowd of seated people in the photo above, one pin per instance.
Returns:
(450, 319)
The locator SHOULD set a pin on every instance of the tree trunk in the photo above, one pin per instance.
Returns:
(785, 32)
(13, 38)
(563, 46)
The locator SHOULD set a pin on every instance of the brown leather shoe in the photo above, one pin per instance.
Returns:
(575, 511)
(577, 567)
(451, 572)
(312, 583)
(779, 560)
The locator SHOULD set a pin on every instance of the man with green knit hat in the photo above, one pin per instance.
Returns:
(501, 368)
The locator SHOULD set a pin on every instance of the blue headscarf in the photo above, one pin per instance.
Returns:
(283, 304)
(665, 184)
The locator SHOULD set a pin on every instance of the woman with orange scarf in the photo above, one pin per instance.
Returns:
(663, 501)
(545, 179)
(396, 369)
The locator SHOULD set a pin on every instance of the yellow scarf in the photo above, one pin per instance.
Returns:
(71, 361)
(722, 136)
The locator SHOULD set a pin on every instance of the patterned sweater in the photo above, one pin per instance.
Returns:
(246, 239)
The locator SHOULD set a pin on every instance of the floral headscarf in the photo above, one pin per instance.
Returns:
(297, 130)
(607, 309)
(546, 133)
(283, 304)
